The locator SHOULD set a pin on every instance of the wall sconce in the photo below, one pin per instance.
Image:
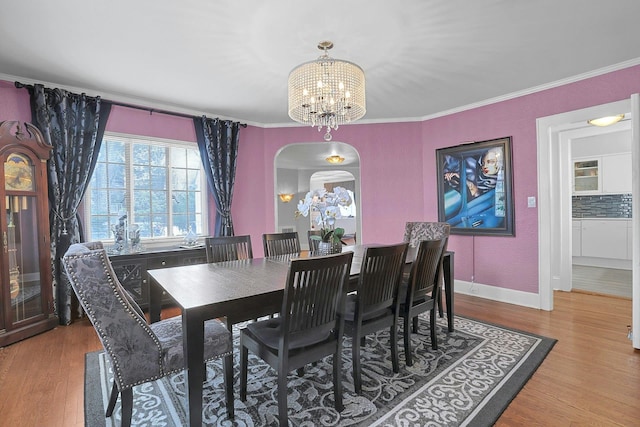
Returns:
(286, 197)
(606, 121)
(335, 159)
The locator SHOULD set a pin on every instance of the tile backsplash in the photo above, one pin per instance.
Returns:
(602, 206)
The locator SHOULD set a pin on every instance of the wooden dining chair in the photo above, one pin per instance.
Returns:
(419, 293)
(281, 243)
(375, 304)
(138, 352)
(313, 243)
(308, 328)
(228, 248)
(416, 231)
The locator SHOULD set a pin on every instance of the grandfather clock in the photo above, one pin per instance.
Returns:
(26, 300)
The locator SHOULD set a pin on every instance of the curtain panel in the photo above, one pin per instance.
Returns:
(218, 145)
(74, 125)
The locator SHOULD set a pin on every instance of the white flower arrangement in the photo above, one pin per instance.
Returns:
(327, 204)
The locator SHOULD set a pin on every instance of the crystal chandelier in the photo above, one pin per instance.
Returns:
(326, 92)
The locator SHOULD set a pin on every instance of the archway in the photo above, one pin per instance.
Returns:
(294, 166)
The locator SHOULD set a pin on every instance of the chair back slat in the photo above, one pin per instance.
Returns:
(315, 289)
(379, 278)
(281, 243)
(228, 248)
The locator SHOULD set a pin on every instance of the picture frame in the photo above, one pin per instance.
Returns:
(475, 187)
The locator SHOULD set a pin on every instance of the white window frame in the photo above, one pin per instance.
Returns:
(151, 242)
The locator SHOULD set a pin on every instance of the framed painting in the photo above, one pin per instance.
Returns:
(475, 187)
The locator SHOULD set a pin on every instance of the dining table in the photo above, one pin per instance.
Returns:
(237, 291)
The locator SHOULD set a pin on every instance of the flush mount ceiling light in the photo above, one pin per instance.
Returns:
(327, 92)
(606, 121)
(335, 159)
(286, 197)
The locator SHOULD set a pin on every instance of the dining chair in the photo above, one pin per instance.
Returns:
(419, 293)
(138, 352)
(313, 243)
(414, 232)
(308, 328)
(374, 306)
(281, 243)
(228, 248)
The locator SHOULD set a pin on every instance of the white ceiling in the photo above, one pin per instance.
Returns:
(231, 59)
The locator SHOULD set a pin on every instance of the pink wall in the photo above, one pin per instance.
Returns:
(397, 168)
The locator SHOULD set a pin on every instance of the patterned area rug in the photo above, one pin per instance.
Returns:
(470, 380)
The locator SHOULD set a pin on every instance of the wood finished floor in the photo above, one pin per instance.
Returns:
(609, 281)
(591, 377)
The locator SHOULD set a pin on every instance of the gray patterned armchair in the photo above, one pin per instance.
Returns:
(415, 232)
(138, 352)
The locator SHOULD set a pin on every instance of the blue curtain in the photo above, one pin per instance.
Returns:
(218, 145)
(74, 125)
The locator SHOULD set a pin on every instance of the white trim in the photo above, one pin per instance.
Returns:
(510, 296)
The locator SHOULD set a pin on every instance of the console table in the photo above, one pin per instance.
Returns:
(131, 268)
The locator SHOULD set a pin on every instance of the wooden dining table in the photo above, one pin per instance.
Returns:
(237, 291)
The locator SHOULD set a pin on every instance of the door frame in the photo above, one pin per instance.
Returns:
(554, 203)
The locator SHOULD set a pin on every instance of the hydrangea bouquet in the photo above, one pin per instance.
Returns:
(327, 204)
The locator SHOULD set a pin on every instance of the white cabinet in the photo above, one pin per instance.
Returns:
(586, 176)
(607, 174)
(605, 239)
(576, 238)
(616, 173)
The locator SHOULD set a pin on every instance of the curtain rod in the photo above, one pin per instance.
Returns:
(137, 107)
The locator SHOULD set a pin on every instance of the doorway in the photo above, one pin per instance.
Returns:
(297, 165)
(554, 217)
(601, 171)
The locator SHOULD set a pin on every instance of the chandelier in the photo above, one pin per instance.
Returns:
(326, 92)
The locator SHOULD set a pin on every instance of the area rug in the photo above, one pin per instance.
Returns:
(470, 380)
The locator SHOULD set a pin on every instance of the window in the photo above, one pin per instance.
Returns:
(156, 183)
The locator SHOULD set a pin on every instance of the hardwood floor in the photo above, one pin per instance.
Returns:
(591, 377)
(609, 281)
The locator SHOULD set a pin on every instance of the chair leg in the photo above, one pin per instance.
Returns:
(282, 398)
(228, 384)
(432, 319)
(394, 347)
(300, 372)
(112, 399)
(244, 356)
(355, 350)
(127, 407)
(337, 379)
(440, 301)
(415, 325)
(407, 340)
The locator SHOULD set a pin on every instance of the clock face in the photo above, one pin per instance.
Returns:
(18, 173)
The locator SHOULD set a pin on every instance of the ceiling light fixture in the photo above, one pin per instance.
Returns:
(606, 121)
(335, 159)
(327, 92)
(286, 197)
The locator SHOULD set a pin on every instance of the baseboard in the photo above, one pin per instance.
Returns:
(620, 264)
(511, 296)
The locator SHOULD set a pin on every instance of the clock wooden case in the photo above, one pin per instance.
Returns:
(26, 295)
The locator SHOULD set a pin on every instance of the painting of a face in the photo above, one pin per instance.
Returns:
(491, 162)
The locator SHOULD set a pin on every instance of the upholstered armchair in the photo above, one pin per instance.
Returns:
(138, 352)
(414, 232)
